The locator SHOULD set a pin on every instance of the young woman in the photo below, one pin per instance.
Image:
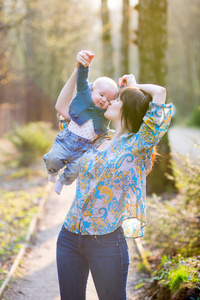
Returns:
(110, 200)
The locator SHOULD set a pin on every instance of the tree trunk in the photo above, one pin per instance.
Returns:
(152, 43)
(107, 60)
(125, 38)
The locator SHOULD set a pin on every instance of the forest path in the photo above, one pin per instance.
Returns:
(182, 140)
(36, 278)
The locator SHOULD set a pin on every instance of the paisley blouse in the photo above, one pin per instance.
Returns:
(111, 186)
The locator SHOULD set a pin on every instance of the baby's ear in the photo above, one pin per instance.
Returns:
(91, 88)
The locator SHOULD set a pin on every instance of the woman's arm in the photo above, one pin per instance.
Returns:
(158, 93)
(66, 95)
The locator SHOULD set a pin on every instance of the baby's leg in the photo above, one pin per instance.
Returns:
(68, 176)
(56, 158)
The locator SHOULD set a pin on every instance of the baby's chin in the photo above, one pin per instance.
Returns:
(103, 107)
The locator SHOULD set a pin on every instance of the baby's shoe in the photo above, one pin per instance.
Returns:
(52, 178)
(58, 187)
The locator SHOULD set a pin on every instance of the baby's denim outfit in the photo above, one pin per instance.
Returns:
(69, 147)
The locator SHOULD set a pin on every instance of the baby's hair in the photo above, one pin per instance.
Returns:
(106, 80)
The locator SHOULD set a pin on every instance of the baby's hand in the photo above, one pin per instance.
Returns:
(127, 80)
(84, 57)
(120, 82)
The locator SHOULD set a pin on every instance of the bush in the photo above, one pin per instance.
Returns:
(187, 177)
(31, 141)
(172, 237)
(173, 225)
(176, 277)
(195, 118)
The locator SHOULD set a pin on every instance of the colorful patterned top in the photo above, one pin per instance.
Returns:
(63, 123)
(111, 187)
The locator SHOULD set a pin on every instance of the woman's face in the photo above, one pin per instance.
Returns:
(113, 111)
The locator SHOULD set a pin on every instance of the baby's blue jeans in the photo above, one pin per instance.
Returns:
(106, 256)
(66, 151)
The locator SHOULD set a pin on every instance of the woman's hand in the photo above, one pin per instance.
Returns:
(127, 80)
(84, 58)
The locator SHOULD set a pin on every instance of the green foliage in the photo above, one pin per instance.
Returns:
(173, 224)
(175, 274)
(16, 211)
(173, 227)
(172, 236)
(195, 118)
(187, 177)
(31, 141)
(178, 277)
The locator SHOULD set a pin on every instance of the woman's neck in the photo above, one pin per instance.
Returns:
(119, 130)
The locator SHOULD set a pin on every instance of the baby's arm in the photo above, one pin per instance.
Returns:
(67, 92)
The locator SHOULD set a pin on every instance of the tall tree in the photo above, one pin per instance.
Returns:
(152, 43)
(125, 38)
(184, 56)
(107, 59)
(5, 74)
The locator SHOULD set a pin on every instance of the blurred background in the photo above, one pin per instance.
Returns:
(158, 41)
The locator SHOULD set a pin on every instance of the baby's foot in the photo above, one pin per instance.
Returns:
(53, 178)
(58, 187)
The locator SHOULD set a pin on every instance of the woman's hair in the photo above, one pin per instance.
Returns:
(134, 107)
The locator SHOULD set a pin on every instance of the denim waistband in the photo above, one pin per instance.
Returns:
(79, 138)
(118, 230)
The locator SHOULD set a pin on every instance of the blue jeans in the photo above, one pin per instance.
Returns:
(106, 256)
(66, 152)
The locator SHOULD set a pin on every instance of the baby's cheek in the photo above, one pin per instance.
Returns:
(106, 105)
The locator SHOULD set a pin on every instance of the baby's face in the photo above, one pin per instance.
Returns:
(102, 94)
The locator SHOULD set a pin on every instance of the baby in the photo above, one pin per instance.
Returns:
(87, 122)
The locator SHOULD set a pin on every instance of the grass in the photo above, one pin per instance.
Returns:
(183, 274)
(22, 181)
(16, 211)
